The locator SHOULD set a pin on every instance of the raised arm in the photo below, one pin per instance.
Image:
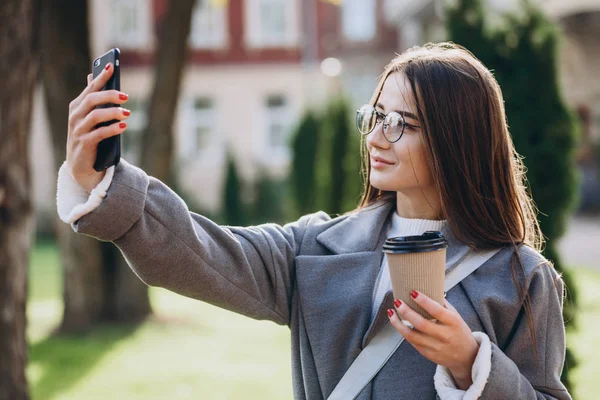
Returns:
(245, 270)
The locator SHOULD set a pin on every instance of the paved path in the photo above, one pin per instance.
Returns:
(580, 246)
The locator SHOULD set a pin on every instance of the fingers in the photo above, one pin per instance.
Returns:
(421, 324)
(101, 115)
(435, 309)
(94, 85)
(93, 100)
(413, 336)
(100, 81)
(98, 135)
(96, 99)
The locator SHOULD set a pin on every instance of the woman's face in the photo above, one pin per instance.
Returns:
(400, 166)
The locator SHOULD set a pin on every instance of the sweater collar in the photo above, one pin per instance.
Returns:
(366, 230)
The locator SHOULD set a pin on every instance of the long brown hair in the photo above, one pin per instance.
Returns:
(478, 173)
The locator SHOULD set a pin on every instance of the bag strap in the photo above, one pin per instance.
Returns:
(379, 350)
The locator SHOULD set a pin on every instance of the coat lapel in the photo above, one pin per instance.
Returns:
(366, 231)
(361, 231)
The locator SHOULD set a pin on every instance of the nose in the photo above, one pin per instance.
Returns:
(376, 138)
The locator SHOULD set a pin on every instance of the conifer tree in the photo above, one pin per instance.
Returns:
(303, 172)
(233, 212)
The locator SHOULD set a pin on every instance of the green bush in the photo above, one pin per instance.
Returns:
(343, 159)
(233, 210)
(303, 172)
(270, 200)
(522, 52)
(326, 161)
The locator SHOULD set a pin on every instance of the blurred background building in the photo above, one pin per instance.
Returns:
(255, 66)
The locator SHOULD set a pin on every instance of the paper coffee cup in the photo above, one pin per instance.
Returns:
(417, 263)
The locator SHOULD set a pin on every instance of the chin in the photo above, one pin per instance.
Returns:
(382, 184)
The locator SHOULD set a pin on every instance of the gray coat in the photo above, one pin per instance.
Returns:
(317, 276)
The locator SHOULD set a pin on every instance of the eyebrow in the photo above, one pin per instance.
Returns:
(406, 114)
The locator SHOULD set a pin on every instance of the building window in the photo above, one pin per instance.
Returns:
(131, 139)
(271, 23)
(209, 25)
(359, 20)
(203, 124)
(277, 123)
(130, 23)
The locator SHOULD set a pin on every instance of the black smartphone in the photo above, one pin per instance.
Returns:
(109, 149)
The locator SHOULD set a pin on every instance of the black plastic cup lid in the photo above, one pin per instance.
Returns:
(428, 241)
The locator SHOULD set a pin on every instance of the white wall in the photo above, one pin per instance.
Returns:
(239, 93)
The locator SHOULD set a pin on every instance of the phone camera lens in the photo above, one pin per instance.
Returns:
(97, 62)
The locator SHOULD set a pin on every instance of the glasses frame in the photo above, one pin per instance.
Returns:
(380, 119)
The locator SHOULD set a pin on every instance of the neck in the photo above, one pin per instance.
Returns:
(421, 203)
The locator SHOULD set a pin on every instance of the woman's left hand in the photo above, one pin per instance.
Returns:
(448, 341)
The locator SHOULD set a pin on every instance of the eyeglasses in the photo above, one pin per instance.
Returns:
(394, 124)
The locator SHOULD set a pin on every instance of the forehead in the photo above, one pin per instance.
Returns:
(396, 93)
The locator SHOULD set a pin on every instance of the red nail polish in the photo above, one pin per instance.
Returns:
(397, 303)
(122, 125)
(414, 294)
(107, 66)
(126, 113)
(123, 96)
(390, 312)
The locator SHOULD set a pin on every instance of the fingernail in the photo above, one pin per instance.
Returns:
(107, 66)
(126, 112)
(123, 96)
(390, 312)
(122, 125)
(397, 303)
(414, 294)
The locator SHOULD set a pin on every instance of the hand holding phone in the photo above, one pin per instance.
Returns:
(88, 126)
(109, 149)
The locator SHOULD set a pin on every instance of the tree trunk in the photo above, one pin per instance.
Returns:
(18, 71)
(66, 60)
(157, 140)
(92, 269)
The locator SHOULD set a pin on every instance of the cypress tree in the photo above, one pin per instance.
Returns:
(337, 118)
(269, 205)
(523, 55)
(338, 160)
(233, 211)
(352, 167)
(303, 173)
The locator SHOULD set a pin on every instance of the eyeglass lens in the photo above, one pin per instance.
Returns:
(367, 117)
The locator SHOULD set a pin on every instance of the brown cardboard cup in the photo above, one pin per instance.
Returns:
(417, 263)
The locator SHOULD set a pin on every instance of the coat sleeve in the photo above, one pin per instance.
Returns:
(245, 270)
(515, 371)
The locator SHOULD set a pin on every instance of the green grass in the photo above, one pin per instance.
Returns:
(585, 341)
(192, 350)
(189, 350)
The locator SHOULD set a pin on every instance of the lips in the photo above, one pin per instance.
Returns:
(381, 160)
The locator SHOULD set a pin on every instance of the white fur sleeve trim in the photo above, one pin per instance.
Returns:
(444, 383)
(73, 201)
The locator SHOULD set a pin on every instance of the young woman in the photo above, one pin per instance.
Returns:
(438, 157)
